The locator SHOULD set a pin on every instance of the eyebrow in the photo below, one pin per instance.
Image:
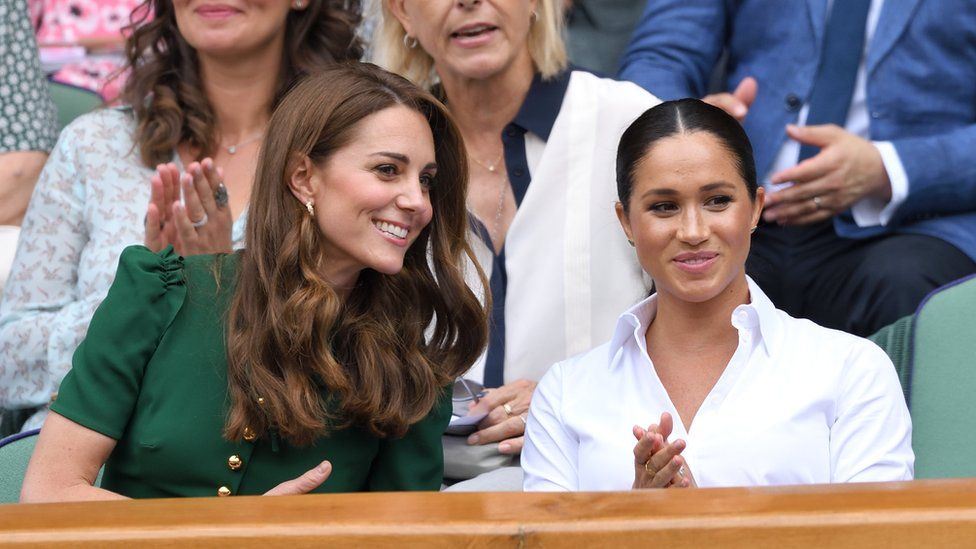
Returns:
(704, 188)
(404, 159)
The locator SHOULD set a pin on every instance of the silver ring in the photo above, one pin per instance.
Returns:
(220, 195)
(201, 223)
(817, 202)
(681, 472)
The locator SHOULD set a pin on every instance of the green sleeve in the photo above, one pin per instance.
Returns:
(101, 389)
(416, 461)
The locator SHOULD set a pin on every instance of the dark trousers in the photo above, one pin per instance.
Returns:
(858, 286)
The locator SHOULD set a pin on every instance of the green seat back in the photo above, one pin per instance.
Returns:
(943, 383)
(72, 101)
(14, 456)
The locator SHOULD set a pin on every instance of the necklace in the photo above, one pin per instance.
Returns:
(503, 184)
(232, 149)
(491, 166)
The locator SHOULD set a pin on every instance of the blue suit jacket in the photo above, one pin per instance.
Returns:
(921, 88)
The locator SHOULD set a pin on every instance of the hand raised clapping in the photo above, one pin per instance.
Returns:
(658, 463)
(201, 222)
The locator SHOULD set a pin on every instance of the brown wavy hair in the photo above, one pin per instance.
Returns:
(165, 89)
(385, 354)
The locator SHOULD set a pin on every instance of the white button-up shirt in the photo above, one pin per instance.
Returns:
(797, 404)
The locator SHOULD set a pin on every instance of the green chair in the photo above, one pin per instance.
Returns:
(15, 453)
(72, 101)
(934, 351)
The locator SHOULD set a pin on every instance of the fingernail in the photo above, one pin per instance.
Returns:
(740, 111)
(679, 444)
(473, 439)
(323, 468)
(504, 447)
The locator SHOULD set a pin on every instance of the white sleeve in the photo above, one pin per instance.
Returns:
(549, 457)
(871, 438)
(869, 212)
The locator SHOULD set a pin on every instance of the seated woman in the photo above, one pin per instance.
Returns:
(746, 394)
(204, 81)
(539, 135)
(323, 350)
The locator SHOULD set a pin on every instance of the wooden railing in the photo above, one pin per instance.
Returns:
(917, 514)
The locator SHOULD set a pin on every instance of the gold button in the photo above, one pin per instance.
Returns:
(223, 491)
(261, 401)
(234, 462)
(249, 434)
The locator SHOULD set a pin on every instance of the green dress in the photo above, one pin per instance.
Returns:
(152, 374)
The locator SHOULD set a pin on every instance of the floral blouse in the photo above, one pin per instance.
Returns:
(88, 205)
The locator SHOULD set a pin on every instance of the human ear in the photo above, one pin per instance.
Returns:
(397, 8)
(301, 178)
(624, 220)
(757, 206)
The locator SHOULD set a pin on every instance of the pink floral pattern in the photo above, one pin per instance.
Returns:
(68, 21)
(88, 206)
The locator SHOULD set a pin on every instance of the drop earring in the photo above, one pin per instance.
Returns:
(311, 210)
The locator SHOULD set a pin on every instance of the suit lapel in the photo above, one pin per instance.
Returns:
(817, 10)
(894, 17)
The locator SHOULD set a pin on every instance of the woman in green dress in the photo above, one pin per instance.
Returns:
(316, 360)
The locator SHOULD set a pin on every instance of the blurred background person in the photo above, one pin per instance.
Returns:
(540, 139)
(863, 122)
(205, 79)
(598, 31)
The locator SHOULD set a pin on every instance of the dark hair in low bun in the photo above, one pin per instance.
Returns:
(676, 117)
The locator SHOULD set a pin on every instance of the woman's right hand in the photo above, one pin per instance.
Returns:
(658, 463)
(312, 479)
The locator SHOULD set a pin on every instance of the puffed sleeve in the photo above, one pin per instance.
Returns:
(101, 389)
(549, 455)
(871, 438)
(416, 461)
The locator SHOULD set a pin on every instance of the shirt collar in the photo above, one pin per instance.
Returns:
(541, 105)
(758, 312)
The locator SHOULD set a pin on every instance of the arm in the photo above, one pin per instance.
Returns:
(871, 438)
(415, 461)
(675, 47)
(549, 457)
(18, 174)
(51, 477)
(42, 316)
(941, 174)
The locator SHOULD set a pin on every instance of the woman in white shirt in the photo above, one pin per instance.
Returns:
(740, 393)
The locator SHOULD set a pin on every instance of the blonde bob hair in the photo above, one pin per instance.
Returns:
(388, 48)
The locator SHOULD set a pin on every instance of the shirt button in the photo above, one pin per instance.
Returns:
(510, 132)
(877, 114)
(793, 103)
(518, 172)
(234, 462)
(249, 434)
(223, 491)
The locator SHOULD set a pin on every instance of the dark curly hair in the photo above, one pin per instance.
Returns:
(165, 89)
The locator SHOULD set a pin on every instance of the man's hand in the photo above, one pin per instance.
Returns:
(738, 102)
(846, 169)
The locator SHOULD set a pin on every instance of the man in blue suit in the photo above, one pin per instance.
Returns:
(862, 114)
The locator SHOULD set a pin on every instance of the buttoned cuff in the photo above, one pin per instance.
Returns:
(871, 211)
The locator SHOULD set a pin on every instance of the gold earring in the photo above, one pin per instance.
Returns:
(299, 4)
(631, 243)
(311, 210)
(409, 42)
(752, 230)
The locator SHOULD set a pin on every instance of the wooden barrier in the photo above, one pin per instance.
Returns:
(940, 513)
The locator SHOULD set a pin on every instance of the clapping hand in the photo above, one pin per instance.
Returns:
(658, 463)
(199, 224)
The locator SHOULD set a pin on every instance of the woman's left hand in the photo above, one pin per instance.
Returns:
(508, 408)
(657, 462)
(203, 225)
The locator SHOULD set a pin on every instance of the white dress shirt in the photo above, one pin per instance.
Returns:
(797, 404)
(867, 211)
